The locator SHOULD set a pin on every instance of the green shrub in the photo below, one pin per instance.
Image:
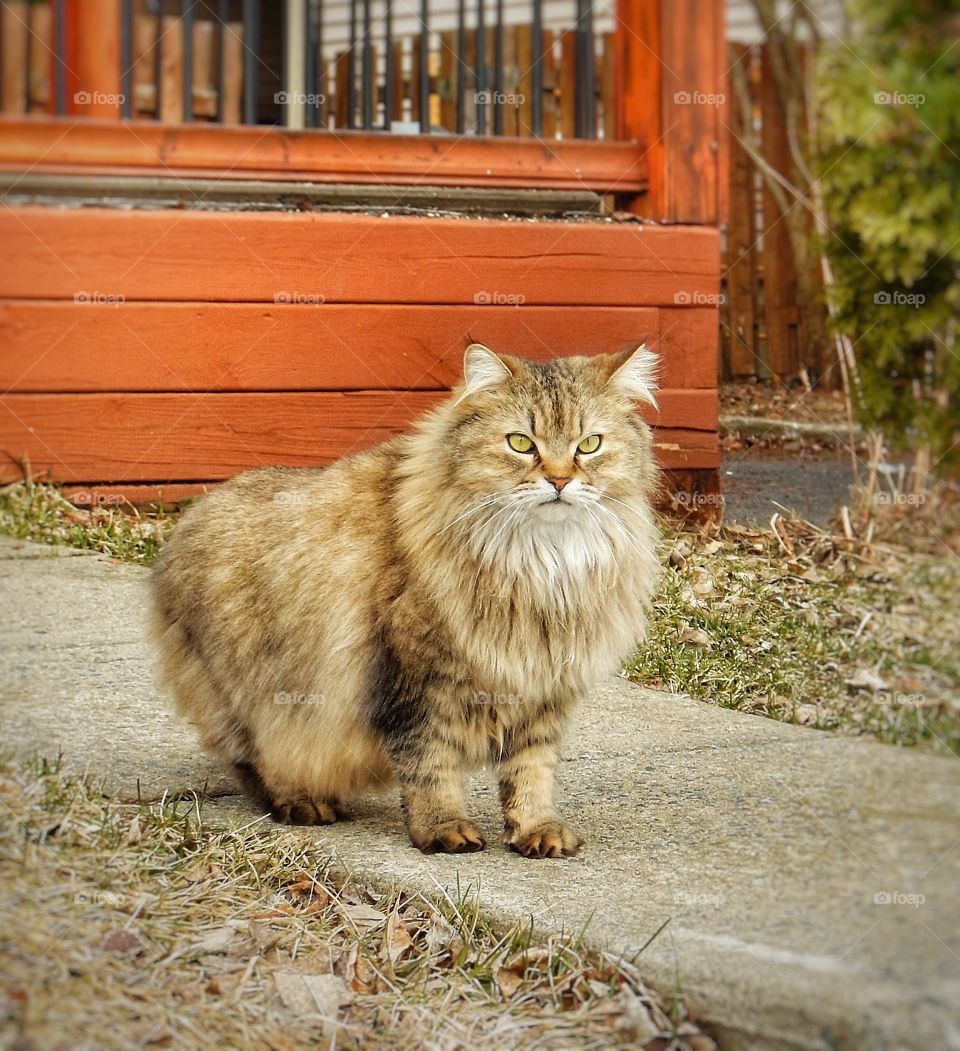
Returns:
(889, 106)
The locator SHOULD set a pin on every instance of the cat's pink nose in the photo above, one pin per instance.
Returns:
(559, 483)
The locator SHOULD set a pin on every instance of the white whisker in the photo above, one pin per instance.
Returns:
(486, 501)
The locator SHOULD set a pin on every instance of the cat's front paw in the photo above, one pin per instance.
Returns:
(304, 811)
(458, 836)
(549, 839)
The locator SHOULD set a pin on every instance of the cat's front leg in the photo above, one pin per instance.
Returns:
(432, 787)
(532, 826)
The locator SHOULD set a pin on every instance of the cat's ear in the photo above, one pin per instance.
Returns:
(635, 373)
(482, 370)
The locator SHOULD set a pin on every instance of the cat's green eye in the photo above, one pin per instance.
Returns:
(520, 443)
(590, 444)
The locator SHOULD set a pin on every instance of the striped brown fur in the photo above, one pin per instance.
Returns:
(425, 607)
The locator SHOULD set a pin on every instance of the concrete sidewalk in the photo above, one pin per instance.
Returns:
(811, 882)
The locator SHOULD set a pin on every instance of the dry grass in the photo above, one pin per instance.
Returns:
(150, 925)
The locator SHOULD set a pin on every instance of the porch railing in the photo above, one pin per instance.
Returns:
(543, 68)
(619, 97)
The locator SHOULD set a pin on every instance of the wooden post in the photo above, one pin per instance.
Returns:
(739, 313)
(670, 93)
(93, 58)
(782, 315)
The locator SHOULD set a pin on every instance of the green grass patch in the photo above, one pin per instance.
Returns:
(825, 633)
(39, 512)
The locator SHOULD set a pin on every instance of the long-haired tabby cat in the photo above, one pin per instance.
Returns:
(421, 608)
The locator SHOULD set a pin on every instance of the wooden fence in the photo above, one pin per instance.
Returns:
(763, 329)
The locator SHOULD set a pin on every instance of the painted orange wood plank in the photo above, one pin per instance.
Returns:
(146, 147)
(689, 340)
(182, 437)
(260, 257)
(51, 345)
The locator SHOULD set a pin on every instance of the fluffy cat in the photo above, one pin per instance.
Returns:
(424, 607)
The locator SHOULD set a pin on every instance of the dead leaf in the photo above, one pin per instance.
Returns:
(807, 714)
(396, 940)
(866, 679)
(357, 971)
(695, 637)
(219, 940)
(508, 981)
(441, 937)
(315, 997)
(306, 891)
(680, 554)
(123, 943)
(364, 917)
(264, 937)
(199, 871)
(634, 1019)
(703, 585)
(133, 831)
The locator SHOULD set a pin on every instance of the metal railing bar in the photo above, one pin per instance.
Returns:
(158, 57)
(480, 76)
(537, 86)
(498, 72)
(585, 105)
(318, 57)
(351, 67)
(286, 110)
(367, 71)
(126, 58)
(589, 88)
(461, 65)
(388, 67)
(186, 25)
(26, 58)
(251, 40)
(223, 13)
(59, 47)
(310, 66)
(424, 85)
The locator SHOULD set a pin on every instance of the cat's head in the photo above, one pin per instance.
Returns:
(530, 447)
(560, 432)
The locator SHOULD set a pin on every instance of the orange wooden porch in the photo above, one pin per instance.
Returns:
(158, 351)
